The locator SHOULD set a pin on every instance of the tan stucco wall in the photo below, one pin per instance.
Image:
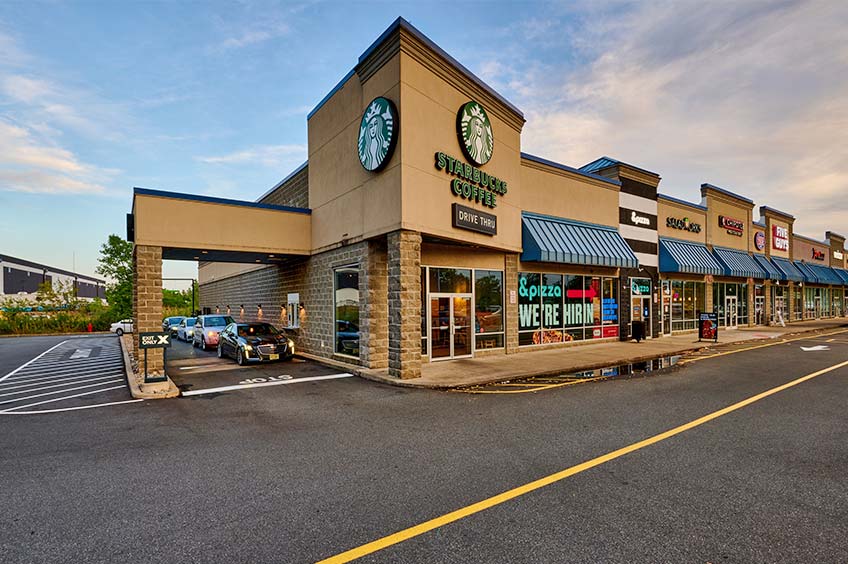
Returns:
(348, 202)
(719, 236)
(202, 225)
(666, 209)
(560, 193)
(802, 249)
(754, 228)
(460, 257)
(430, 106)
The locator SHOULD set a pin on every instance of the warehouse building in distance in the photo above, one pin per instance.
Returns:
(21, 279)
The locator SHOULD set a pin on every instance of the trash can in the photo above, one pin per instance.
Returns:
(637, 330)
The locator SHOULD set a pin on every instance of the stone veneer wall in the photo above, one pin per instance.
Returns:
(312, 278)
(147, 300)
(295, 192)
(404, 268)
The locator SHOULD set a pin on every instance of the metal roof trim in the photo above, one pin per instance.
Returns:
(567, 168)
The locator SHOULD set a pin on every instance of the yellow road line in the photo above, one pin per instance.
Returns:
(830, 340)
(468, 510)
(690, 360)
(538, 388)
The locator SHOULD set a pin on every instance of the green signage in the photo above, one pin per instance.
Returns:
(378, 134)
(475, 133)
(471, 183)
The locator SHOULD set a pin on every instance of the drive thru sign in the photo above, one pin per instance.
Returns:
(153, 341)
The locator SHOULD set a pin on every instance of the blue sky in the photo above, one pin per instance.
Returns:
(211, 98)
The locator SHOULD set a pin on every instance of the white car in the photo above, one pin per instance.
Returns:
(185, 330)
(121, 327)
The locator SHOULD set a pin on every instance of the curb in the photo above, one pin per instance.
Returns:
(84, 334)
(378, 376)
(161, 390)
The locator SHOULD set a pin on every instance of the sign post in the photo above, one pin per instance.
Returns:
(154, 341)
(708, 326)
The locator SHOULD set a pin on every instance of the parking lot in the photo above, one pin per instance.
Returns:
(198, 372)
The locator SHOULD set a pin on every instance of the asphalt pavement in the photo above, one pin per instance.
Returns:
(301, 472)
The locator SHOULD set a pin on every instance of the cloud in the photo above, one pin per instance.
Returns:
(749, 96)
(252, 33)
(265, 155)
(28, 164)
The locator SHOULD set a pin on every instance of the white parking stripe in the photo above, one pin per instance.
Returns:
(69, 408)
(59, 392)
(60, 399)
(53, 379)
(15, 381)
(24, 365)
(264, 384)
(58, 385)
(59, 371)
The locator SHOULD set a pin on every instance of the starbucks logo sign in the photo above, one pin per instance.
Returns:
(378, 134)
(475, 133)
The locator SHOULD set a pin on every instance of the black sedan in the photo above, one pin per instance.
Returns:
(254, 342)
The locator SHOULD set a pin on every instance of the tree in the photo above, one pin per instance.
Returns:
(116, 263)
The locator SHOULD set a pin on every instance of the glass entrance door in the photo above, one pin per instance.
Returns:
(818, 307)
(778, 314)
(666, 308)
(759, 310)
(730, 313)
(450, 326)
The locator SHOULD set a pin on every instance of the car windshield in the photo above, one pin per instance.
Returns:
(190, 321)
(257, 330)
(218, 321)
(174, 320)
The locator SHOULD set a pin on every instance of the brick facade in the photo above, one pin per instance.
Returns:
(147, 301)
(293, 191)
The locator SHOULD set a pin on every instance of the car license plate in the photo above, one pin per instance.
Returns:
(274, 357)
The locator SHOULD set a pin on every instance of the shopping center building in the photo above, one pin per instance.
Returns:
(419, 231)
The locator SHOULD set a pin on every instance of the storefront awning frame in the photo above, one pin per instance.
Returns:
(738, 264)
(826, 275)
(809, 276)
(789, 269)
(686, 257)
(774, 273)
(553, 239)
(843, 274)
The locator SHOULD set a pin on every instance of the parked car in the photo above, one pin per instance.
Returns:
(254, 342)
(185, 330)
(207, 328)
(172, 324)
(121, 327)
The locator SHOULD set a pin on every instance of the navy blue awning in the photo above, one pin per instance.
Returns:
(825, 274)
(809, 276)
(774, 273)
(738, 264)
(687, 258)
(842, 273)
(552, 239)
(788, 269)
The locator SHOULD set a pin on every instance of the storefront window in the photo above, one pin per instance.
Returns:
(424, 310)
(610, 308)
(799, 302)
(688, 298)
(529, 308)
(346, 299)
(488, 309)
(450, 281)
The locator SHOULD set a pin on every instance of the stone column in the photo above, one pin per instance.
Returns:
(709, 304)
(147, 302)
(790, 301)
(767, 290)
(750, 300)
(404, 268)
(373, 287)
(511, 309)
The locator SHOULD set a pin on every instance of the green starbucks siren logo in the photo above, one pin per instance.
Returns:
(377, 134)
(475, 133)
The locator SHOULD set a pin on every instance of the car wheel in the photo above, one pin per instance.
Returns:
(119, 332)
(240, 357)
(220, 351)
(203, 343)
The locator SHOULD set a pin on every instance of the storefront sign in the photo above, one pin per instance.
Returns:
(682, 224)
(471, 183)
(475, 133)
(473, 220)
(640, 286)
(732, 226)
(760, 240)
(838, 255)
(610, 309)
(637, 218)
(377, 134)
(780, 238)
(818, 255)
(708, 326)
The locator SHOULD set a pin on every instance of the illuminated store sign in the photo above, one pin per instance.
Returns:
(732, 226)
(818, 255)
(474, 220)
(637, 219)
(780, 238)
(377, 134)
(760, 240)
(640, 287)
(838, 255)
(682, 224)
(471, 183)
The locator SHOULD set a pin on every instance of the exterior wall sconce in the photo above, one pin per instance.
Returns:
(259, 311)
(228, 309)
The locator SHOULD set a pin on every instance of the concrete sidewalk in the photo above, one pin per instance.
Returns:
(490, 369)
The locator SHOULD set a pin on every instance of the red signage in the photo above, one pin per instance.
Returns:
(818, 255)
(733, 226)
(780, 238)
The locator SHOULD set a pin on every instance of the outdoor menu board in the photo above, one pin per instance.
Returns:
(708, 326)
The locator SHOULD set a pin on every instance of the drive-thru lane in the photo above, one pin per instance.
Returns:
(73, 374)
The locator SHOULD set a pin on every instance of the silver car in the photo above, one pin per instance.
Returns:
(207, 329)
(185, 331)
